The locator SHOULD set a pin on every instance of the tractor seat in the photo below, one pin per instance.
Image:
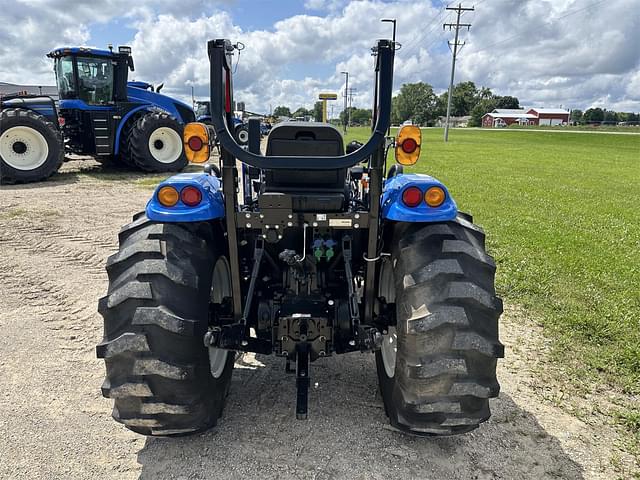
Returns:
(328, 187)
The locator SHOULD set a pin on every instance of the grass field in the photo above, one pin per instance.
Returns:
(562, 213)
(582, 128)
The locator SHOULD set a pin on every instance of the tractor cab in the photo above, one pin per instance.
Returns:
(94, 77)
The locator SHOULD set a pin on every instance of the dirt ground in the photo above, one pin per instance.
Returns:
(54, 239)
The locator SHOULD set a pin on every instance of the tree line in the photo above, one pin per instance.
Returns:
(600, 115)
(420, 104)
(359, 116)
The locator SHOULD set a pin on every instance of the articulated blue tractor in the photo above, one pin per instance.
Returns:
(99, 113)
(323, 251)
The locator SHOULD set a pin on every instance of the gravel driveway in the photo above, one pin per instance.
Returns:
(54, 239)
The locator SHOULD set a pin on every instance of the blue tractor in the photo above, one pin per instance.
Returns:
(99, 113)
(240, 129)
(321, 251)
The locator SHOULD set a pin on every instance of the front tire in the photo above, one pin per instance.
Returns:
(158, 371)
(155, 143)
(437, 366)
(30, 147)
(242, 134)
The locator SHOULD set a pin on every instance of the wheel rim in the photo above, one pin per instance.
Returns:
(389, 351)
(165, 145)
(220, 288)
(389, 348)
(23, 148)
(243, 136)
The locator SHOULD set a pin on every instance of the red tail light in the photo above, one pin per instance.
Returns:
(412, 196)
(61, 121)
(227, 92)
(195, 143)
(191, 196)
(409, 145)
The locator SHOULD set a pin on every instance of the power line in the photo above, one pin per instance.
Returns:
(410, 47)
(457, 26)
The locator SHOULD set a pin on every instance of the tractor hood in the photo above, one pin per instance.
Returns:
(140, 92)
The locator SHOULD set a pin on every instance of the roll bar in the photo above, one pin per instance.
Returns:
(220, 51)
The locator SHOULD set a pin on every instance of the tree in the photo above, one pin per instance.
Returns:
(317, 111)
(610, 116)
(576, 115)
(507, 102)
(593, 115)
(361, 116)
(416, 102)
(302, 112)
(483, 107)
(281, 111)
(464, 98)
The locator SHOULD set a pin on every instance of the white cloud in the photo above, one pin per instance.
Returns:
(545, 52)
(574, 53)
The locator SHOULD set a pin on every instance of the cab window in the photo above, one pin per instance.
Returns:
(64, 78)
(95, 80)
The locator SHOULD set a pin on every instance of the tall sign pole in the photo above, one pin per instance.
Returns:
(346, 89)
(324, 97)
(457, 26)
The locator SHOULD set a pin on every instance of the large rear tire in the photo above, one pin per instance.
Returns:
(437, 367)
(155, 143)
(31, 147)
(162, 378)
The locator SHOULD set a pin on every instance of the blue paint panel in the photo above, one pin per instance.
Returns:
(211, 206)
(137, 93)
(393, 208)
(76, 104)
(123, 122)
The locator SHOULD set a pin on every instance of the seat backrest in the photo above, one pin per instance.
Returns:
(305, 139)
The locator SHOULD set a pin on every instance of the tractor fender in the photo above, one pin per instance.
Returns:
(210, 207)
(124, 121)
(392, 207)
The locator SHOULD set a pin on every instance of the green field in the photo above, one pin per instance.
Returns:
(582, 128)
(562, 213)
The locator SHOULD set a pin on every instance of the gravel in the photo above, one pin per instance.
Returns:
(54, 239)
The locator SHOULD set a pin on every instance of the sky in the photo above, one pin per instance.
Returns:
(548, 53)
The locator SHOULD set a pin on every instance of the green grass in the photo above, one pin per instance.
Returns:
(562, 213)
(580, 128)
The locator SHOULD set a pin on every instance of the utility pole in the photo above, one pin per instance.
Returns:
(350, 105)
(346, 88)
(457, 26)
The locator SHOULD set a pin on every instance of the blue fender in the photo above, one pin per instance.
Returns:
(393, 209)
(123, 122)
(210, 208)
(138, 92)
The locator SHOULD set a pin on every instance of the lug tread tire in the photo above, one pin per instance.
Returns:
(155, 316)
(138, 142)
(14, 117)
(447, 327)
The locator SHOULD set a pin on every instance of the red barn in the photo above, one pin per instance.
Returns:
(550, 116)
(504, 118)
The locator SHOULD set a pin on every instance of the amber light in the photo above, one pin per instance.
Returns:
(408, 145)
(434, 196)
(412, 196)
(168, 196)
(196, 142)
(191, 196)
